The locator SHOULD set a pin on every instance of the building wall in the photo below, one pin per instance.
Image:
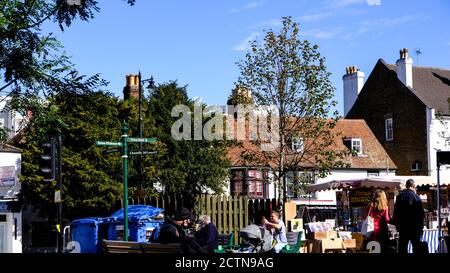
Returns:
(9, 119)
(438, 139)
(382, 95)
(9, 194)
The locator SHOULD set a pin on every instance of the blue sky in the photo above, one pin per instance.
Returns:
(199, 42)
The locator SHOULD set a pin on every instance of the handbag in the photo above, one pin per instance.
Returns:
(368, 225)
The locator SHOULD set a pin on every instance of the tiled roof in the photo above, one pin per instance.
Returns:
(374, 156)
(431, 85)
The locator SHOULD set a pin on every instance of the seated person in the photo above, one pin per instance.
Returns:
(174, 231)
(207, 234)
(278, 229)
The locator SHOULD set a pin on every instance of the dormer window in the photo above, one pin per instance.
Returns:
(354, 144)
(297, 145)
(357, 145)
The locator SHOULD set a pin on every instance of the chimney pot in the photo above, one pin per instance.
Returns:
(353, 83)
(404, 68)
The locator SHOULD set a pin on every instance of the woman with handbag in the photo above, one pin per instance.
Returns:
(379, 211)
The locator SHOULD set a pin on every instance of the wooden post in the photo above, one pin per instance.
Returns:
(225, 214)
(241, 212)
(230, 217)
(208, 204)
(214, 210)
(220, 215)
(246, 216)
(236, 214)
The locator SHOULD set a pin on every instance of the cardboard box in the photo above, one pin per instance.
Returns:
(313, 246)
(350, 243)
(320, 235)
(332, 244)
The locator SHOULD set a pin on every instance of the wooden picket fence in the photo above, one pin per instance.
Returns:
(229, 213)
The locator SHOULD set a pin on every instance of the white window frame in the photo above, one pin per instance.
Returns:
(360, 151)
(297, 145)
(414, 166)
(389, 129)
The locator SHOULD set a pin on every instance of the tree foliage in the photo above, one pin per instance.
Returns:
(187, 166)
(290, 75)
(32, 63)
(91, 183)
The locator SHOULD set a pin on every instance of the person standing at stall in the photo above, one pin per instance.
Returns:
(379, 211)
(408, 218)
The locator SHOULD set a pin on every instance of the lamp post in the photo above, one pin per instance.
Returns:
(151, 86)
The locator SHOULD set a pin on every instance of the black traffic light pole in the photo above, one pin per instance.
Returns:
(60, 238)
(51, 168)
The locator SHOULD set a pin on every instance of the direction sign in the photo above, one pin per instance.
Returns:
(136, 139)
(108, 143)
(144, 153)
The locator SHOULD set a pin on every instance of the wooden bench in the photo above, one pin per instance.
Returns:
(110, 246)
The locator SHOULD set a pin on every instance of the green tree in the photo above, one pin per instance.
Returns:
(290, 75)
(32, 63)
(91, 178)
(185, 166)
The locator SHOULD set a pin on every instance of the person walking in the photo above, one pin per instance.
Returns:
(379, 211)
(408, 218)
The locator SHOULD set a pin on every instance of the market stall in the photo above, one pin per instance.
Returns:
(353, 197)
(352, 200)
(427, 188)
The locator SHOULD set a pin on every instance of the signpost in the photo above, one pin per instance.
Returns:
(124, 144)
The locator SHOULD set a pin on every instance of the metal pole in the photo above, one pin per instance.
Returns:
(60, 246)
(140, 133)
(125, 179)
(438, 192)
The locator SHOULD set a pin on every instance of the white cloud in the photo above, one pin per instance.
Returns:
(250, 5)
(343, 3)
(269, 23)
(374, 2)
(245, 44)
(333, 4)
(315, 17)
(322, 34)
(369, 25)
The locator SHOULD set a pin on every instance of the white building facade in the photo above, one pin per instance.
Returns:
(10, 213)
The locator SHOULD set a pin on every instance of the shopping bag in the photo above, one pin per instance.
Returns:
(367, 226)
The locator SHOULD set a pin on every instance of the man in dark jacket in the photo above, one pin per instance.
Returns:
(173, 231)
(408, 218)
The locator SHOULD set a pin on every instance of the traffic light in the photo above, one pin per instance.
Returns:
(48, 161)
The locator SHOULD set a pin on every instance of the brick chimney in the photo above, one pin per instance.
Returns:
(404, 68)
(131, 88)
(353, 83)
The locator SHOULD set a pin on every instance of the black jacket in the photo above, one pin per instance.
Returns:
(170, 232)
(408, 212)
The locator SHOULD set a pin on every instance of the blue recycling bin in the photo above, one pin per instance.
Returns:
(141, 222)
(89, 233)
